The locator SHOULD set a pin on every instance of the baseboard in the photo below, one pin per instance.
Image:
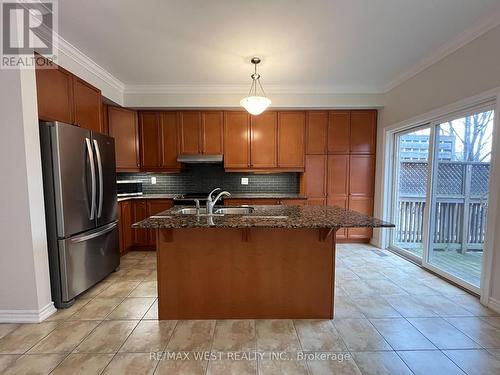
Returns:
(27, 316)
(494, 304)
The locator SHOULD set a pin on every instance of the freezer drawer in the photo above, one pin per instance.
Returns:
(87, 258)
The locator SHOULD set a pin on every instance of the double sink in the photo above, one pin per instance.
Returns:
(245, 212)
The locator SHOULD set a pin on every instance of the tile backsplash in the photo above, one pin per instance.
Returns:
(200, 178)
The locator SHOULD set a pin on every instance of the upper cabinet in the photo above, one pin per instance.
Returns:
(149, 137)
(317, 132)
(236, 140)
(363, 132)
(263, 137)
(200, 132)
(168, 139)
(64, 97)
(88, 105)
(212, 129)
(158, 141)
(55, 94)
(339, 132)
(122, 125)
(291, 140)
(270, 141)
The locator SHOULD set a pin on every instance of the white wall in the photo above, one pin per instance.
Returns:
(24, 273)
(469, 71)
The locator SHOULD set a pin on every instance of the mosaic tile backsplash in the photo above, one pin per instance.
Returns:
(198, 178)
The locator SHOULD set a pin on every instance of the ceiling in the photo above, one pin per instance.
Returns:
(329, 46)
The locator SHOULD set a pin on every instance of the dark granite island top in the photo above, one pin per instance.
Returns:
(277, 262)
(268, 217)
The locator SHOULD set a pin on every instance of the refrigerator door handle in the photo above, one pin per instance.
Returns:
(99, 169)
(104, 230)
(92, 177)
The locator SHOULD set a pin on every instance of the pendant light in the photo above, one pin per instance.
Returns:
(255, 104)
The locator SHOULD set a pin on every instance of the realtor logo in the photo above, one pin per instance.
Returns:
(27, 27)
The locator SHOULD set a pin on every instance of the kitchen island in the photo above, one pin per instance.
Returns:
(269, 262)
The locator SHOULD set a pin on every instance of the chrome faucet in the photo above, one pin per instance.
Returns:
(211, 202)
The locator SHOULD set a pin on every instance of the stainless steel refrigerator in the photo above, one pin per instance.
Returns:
(79, 180)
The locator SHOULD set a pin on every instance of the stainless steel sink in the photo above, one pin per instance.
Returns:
(191, 211)
(234, 210)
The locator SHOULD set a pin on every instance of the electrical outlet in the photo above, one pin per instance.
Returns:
(244, 180)
(153, 180)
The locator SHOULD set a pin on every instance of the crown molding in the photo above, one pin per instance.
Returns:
(242, 89)
(87, 63)
(447, 49)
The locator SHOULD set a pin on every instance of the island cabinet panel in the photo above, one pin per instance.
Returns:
(55, 94)
(190, 133)
(263, 140)
(88, 105)
(363, 132)
(256, 273)
(317, 132)
(315, 176)
(212, 129)
(168, 141)
(236, 140)
(339, 128)
(123, 127)
(149, 130)
(291, 139)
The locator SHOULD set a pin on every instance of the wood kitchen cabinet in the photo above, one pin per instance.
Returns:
(252, 202)
(315, 176)
(363, 132)
(155, 206)
(339, 129)
(168, 139)
(125, 226)
(291, 139)
(158, 141)
(88, 105)
(200, 132)
(362, 175)
(62, 96)
(365, 206)
(317, 132)
(212, 133)
(140, 237)
(236, 140)
(263, 140)
(338, 175)
(149, 137)
(123, 127)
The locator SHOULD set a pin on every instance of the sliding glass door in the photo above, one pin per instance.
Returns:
(441, 180)
(459, 199)
(411, 170)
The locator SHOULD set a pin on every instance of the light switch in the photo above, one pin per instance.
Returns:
(244, 180)
(153, 180)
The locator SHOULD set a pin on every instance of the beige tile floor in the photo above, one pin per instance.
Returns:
(391, 318)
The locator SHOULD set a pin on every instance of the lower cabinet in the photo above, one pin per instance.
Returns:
(132, 211)
(365, 206)
(265, 201)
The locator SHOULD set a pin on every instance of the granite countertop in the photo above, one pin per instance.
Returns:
(295, 217)
(149, 196)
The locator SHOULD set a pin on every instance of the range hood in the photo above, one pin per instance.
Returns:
(200, 158)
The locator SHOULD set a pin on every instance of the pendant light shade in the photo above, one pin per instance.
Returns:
(254, 103)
